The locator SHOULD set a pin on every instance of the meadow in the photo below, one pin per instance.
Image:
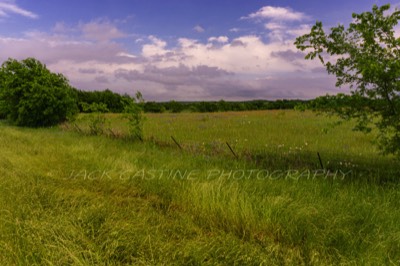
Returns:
(71, 198)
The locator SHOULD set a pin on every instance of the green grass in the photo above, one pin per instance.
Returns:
(72, 199)
(273, 139)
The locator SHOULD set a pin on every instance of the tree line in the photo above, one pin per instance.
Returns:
(219, 106)
(115, 104)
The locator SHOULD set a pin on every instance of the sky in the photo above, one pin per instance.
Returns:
(186, 50)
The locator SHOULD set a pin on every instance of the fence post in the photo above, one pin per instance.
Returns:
(229, 146)
(177, 144)
(320, 160)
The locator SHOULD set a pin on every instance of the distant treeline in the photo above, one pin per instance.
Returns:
(115, 103)
(219, 106)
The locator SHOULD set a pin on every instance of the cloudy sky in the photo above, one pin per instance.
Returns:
(176, 49)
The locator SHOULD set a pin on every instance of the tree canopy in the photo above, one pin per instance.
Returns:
(365, 57)
(31, 95)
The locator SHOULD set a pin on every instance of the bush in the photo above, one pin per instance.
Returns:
(97, 119)
(113, 101)
(134, 115)
(31, 95)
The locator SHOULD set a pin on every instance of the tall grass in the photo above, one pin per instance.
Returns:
(273, 139)
(67, 198)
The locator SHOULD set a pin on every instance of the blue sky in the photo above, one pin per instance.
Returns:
(176, 49)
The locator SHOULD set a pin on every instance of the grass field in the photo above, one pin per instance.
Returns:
(67, 198)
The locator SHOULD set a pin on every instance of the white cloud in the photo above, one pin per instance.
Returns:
(282, 24)
(101, 30)
(184, 42)
(299, 30)
(123, 54)
(155, 48)
(220, 39)
(277, 13)
(7, 7)
(274, 26)
(231, 70)
(245, 56)
(199, 29)
(52, 48)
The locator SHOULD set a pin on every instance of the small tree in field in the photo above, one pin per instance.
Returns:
(97, 119)
(30, 95)
(366, 57)
(134, 114)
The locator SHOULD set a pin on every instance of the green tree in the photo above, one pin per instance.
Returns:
(134, 115)
(175, 107)
(365, 57)
(30, 95)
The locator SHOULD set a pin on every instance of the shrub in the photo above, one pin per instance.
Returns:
(31, 95)
(134, 114)
(97, 119)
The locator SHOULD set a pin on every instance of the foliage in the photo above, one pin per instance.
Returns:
(220, 106)
(134, 115)
(365, 56)
(175, 107)
(116, 104)
(94, 107)
(153, 107)
(31, 95)
(113, 101)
